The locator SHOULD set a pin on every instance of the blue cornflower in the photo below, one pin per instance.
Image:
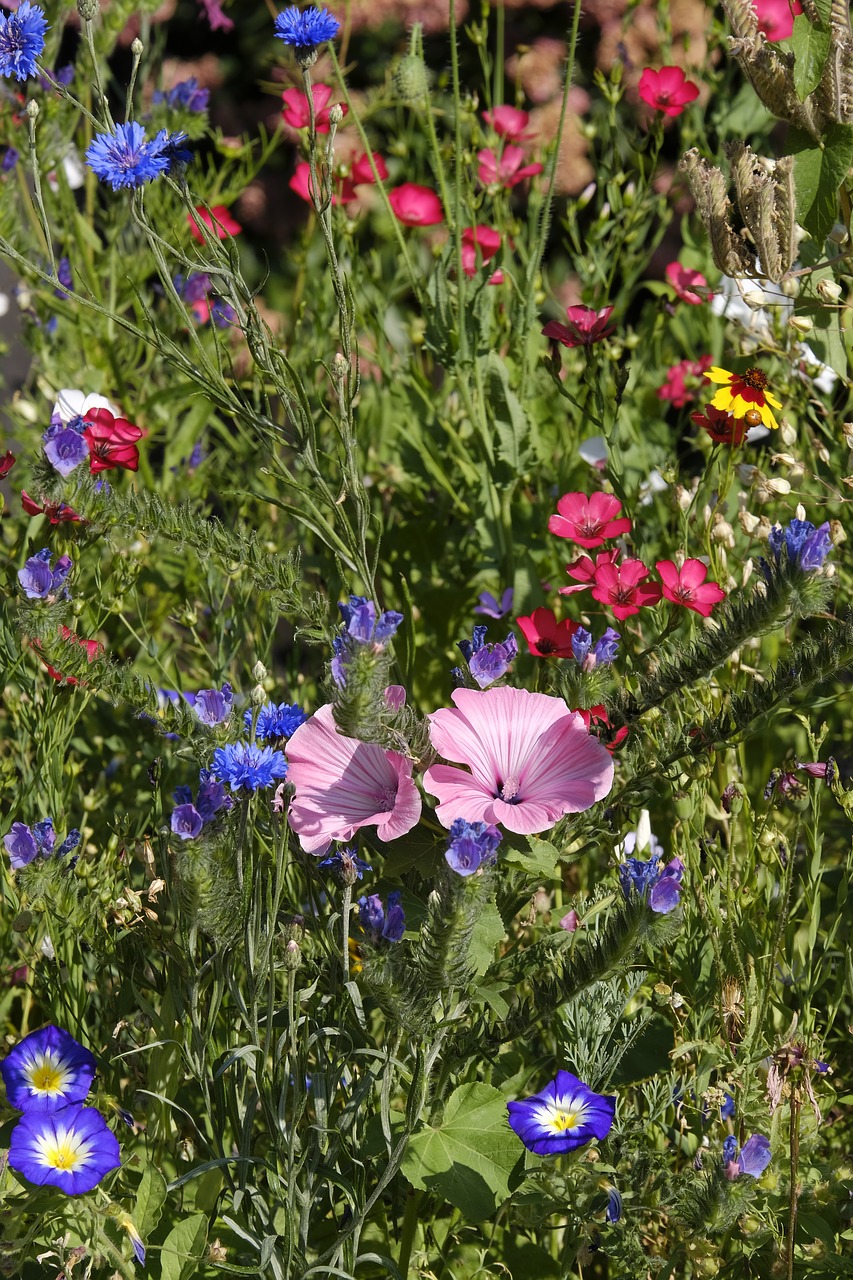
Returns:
(39, 581)
(185, 94)
(276, 721)
(212, 706)
(566, 1114)
(306, 28)
(806, 547)
(489, 606)
(72, 1149)
(126, 158)
(487, 662)
(64, 276)
(659, 886)
(47, 1070)
(21, 40)
(187, 822)
(345, 865)
(753, 1159)
(242, 764)
(11, 156)
(471, 844)
(379, 922)
(170, 146)
(590, 656)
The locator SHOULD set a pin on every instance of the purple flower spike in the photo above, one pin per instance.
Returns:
(47, 1070)
(565, 1115)
(20, 845)
(471, 844)
(187, 822)
(212, 706)
(38, 580)
(660, 887)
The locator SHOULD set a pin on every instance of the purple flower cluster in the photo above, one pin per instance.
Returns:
(64, 444)
(753, 1159)
(188, 818)
(40, 581)
(805, 546)
(127, 158)
(21, 40)
(470, 845)
(24, 844)
(601, 654)
(276, 721)
(379, 922)
(658, 885)
(186, 94)
(486, 662)
(212, 706)
(362, 628)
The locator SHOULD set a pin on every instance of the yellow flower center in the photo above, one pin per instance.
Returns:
(47, 1076)
(563, 1120)
(63, 1153)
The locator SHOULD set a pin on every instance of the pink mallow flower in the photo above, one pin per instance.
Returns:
(530, 759)
(687, 586)
(776, 17)
(588, 521)
(667, 90)
(342, 785)
(506, 169)
(296, 112)
(584, 326)
(687, 284)
(625, 587)
(508, 122)
(416, 206)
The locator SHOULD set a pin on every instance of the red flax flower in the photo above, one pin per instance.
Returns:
(7, 463)
(483, 243)
(625, 587)
(585, 326)
(676, 388)
(584, 570)
(508, 122)
(690, 286)
(687, 586)
(111, 442)
(667, 90)
(93, 648)
(545, 635)
(506, 169)
(722, 427)
(598, 716)
(296, 112)
(588, 521)
(56, 512)
(218, 220)
(416, 206)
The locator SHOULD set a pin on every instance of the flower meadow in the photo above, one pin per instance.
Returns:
(426, 640)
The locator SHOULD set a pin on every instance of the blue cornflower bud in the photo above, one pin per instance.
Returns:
(305, 29)
(470, 845)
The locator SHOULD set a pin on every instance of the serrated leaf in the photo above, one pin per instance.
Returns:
(183, 1248)
(488, 932)
(150, 1198)
(818, 173)
(540, 860)
(811, 47)
(467, 1159)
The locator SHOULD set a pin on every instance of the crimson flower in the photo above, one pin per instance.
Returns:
(483, 243)
(585, 326)
(56, 512)
(296, 112)
(687, 284)
(598, 716)
(217, 219)
(776, 17)
(625, 587)
(722, 427)
(545, 635)
(506, 169)
(111, 442)
(676, 388)
(7, 463)
(588, 521)
(667, 90)
(687, 586)
(508, 122)
(416, 206)
(584, 570)
(93, 648)
(360, 174)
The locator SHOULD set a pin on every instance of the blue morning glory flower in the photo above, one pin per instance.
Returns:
(187, 822)
(753, 1159)
(470, 845)
(306, 28)
(47, 1070)
(566, 1114)
(212, 706)
(659, 886)
(276, 721)
(380, 922)
(38, 580)
(127, 158)
(805, 546)
(489, 606)
(487, 662)
(72, 1149)
(21, 40)
(242, 764)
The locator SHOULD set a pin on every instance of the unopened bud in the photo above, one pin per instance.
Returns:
(799, 512)
(790, 286)
(838, 234)
(723, 532)
(801, 324)
(137, 48)
(88, 9)
(732, 798)
(828, 290)
(339, 366)
(586, 195)
(292, 956)
(32, 109)
(787, 431)
(336, 113)
(410, 79)
(293, 930)
(258, 695)
(754, 299)
(683, 497)
(259, 672)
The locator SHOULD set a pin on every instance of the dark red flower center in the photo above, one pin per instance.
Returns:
(755, 378)
(589, 528)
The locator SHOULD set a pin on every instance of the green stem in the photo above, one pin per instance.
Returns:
(410, 1230)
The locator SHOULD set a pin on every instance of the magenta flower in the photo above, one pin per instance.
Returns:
(776, 17)
(584, 570)
(416, 206)
(588, 521)
(479, 246)
(506, 169)
(531, 760)
(296, 111)
(690, 286)
(342, 785)
(585, 326)
(667, 90)
(687, 586)
(508, 122)
(625, 587)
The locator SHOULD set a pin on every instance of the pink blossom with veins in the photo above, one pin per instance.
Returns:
(588, 521)
(529, 760)
(506, 169)
(687, 586)
(342, 785)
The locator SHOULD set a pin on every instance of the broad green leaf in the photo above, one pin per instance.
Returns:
(811, 46)
(488, 932)
(540, 860)
(150, 1198)
(184, 1248)
(468, 1157)
(819, 171)
(511, 427)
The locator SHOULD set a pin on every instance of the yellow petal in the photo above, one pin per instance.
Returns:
(767, 414)
(723, 399)
(777, 404)
(718, 375)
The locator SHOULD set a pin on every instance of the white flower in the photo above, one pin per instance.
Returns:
(75, 404)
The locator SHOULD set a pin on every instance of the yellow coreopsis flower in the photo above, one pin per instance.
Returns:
(745, 395)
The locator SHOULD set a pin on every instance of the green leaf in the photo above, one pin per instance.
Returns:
(150, 1198)
(811, 46)
(468, 1157)
(488, 932)
(541, 860)
(511, 426)
(184, 1248)
(818, 173)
